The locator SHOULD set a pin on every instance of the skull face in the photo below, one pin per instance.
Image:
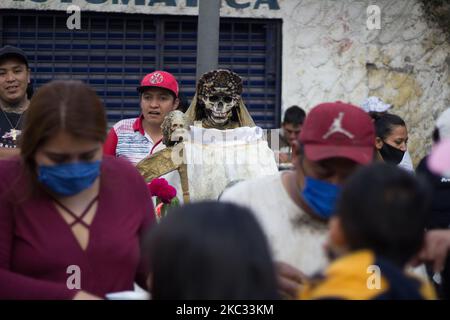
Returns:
(219, 91)
(177, 123)
(178, 128)
(175, 128)
(219, 107)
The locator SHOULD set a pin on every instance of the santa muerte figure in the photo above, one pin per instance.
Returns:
(223, 144)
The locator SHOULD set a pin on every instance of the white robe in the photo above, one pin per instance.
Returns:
(217, 158)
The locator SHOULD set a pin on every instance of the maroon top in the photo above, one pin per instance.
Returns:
(37, 245)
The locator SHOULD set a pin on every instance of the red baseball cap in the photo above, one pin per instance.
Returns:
(159, 79)
(337, 129)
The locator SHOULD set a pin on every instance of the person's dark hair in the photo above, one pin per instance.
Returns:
(30, 91)
(385, 123)
(210, 250)
(436, 137)
(69, 106)
(184, 103)
(384, 208)
(144, 89)
(294, 115)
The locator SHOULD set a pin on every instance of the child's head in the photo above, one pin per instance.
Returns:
(384, 209)
(210, 250)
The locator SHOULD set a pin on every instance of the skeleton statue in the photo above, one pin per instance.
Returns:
(218, 103)
(218, 106)
(174, 127)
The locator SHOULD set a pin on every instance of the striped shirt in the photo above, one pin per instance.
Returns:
(128, 139)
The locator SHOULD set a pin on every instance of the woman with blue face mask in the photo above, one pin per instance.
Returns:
(71, 220)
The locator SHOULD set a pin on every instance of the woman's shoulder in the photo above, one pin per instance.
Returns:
(10, 167)
(121, 181)
(11, 176)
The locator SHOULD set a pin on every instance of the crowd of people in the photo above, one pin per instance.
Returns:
(350, 219)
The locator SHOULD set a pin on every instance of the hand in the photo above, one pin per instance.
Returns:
(284, 157)
(83, 295)
(289, 279)
(435, 249)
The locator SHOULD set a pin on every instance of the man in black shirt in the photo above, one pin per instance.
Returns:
(14, 81)
(438, 238)
(440, 213)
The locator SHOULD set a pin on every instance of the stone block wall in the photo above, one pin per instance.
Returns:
(329, 54)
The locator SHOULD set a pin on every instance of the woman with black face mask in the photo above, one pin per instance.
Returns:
(391, 136)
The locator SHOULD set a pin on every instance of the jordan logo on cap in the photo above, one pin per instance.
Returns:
(156, 78)
(336, 127)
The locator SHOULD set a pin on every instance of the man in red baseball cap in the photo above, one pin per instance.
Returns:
(338, 130)
(294, 206)
(135, 139)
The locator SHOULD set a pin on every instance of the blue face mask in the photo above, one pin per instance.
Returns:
(69, 179)
(321, 196)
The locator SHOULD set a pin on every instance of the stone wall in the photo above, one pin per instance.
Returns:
(329, 54)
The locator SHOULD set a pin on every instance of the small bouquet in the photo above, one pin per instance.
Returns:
(165, 196)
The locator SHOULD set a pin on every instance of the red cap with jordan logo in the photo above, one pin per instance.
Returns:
(338, 130)
(159, 79)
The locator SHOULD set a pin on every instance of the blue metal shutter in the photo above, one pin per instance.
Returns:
(113, 51)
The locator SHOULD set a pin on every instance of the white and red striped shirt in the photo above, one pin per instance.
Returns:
(128, 139)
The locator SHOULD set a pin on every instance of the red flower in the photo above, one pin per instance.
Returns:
(156, 185)
(160, 188)
(168, 194)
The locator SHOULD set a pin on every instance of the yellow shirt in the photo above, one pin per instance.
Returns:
(361, 276)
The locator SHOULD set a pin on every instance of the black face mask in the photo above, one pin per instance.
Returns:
(391, 154)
